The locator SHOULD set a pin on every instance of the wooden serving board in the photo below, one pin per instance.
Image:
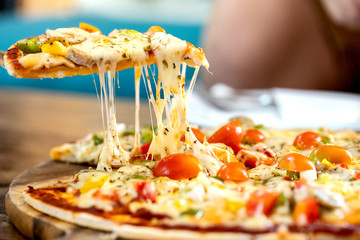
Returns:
(34, 224)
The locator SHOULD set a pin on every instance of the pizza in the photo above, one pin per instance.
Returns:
(173, 180)
(84, 50)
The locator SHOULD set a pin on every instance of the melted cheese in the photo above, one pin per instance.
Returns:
(171, 100)
(125, 45)
(41, 60)
(112, 153)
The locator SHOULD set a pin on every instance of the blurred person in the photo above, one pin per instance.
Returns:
(305, 44)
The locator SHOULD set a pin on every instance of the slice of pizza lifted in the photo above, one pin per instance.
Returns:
(84, 50)
(65, 52)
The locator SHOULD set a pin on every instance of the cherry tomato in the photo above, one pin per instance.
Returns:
(357, 176)
(306, 211)
(307, 140)
(178, 166)
(269, 161)
(252, 136)
(261, 202)
(112, 196)
(295, 162)
(144, 151)
(333, 154)
(248, 158)
(200, 136)
(146, 190)
(343, 165)
(300, 184)
(233, 171)
(230, 134)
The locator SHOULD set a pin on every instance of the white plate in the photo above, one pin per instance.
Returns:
(277, 107)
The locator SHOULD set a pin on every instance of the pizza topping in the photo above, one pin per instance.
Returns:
(306, 211)
(200, 136)
(97, 139)
(72, 34)
(307, 140)
(50, 40)
(357, 176)
(146, 190)
(31, 45)
(192, 212)
(252, 136)
(144, 149)
(229, 134)
(56, 48)
(253, 159)
(93, 183)
(262, 148)
(223, 153)
(41, 60)
(328, 198)
(261, 202)
(178, 166)
(295, 162)
(331, 153)
(233, 171)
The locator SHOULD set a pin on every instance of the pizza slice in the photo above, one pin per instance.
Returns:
(82, 50)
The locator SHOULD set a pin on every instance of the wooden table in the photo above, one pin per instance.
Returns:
(31, 122)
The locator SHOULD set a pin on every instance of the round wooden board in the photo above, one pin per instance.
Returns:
(34, 224)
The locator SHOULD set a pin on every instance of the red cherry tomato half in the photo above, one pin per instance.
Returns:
(295, 162)
(333, 154)
(307, 140)
(144, 151)
(200, 136)
(230, 134)
(146, 190)
(178, 166)
(261, 202)
(252, 136)
(112, 195)
(306, 211)
(233, 171)
(357, 176)
(248, 158)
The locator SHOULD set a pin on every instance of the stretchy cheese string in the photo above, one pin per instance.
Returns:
(168, 100)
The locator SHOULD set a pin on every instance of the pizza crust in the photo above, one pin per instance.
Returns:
(129, 231)
(14, 68)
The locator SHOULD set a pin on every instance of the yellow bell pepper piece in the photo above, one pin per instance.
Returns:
(92, 183)
(182, 204)
(55, 47)
(233, 206)
(327, 163)
(88, 28)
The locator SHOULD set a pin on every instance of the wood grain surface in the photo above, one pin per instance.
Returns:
(34, 224)
(32, 122)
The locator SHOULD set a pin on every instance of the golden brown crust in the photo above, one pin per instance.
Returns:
(12, 64)
(56, 202)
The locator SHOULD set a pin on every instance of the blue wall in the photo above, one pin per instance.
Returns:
(13, 28)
